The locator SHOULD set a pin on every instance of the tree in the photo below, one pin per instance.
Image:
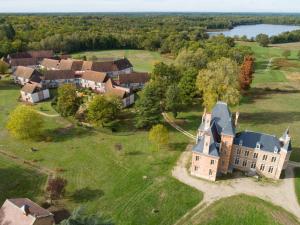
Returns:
(263, 40)
(246, 72)
(187, 85)
(25, 123)
(191, 59)
(3, 67)
(286, 53)
(67, 101)
(148, 108)
(79, 217)
(102, 110)
(219, 82)
(56, 187)
(159, 135)
(173, 99)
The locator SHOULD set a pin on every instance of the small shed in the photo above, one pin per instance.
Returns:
(34, 92)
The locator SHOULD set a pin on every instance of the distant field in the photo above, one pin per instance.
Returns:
(243, 210)
(289, 46)
(142, 60)
(127, 185)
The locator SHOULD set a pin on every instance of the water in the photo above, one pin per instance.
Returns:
(251, 31)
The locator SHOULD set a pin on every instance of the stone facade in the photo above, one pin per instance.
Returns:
(250, 152)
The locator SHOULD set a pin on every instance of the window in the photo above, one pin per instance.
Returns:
(273, 159)
(253, 165)
(237, 161)
(262, 167)
(244, 163)
(196, 168)
(255, 155)
(246, 153)
(197, 158)
(238, 151)
(265, 157)
(212, 162)
(271, 169)
(210, 172)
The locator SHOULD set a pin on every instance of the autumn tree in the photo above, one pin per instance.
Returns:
(263, 40)
(286, 53)
(25, 123)
(67, 101)
(102, 109)
(219, 82)
(159, 135)
(56, 187)
(246, 72)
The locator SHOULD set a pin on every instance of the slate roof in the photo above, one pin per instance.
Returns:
(94, 76)
(32, 54)
(250, 139)
(223, 119)
(23, 62)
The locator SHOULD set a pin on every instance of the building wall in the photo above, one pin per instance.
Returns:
(268, 164)
(128, 100)
(35, 97)
(99, 87)
(57, 83)
(204, 166)
(225, 153)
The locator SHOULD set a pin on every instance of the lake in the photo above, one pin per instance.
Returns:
(251, 31)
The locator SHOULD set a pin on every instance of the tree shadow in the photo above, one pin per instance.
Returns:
(20, 182)
(134, 153)
(86, 194)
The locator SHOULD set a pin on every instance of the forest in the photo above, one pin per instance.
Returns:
(166, 33)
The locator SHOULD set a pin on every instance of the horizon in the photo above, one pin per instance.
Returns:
(149, 6)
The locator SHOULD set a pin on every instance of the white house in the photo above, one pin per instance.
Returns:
(50, 64)
(94, 80)
(55, 78)
(134, 80)
(33, 92)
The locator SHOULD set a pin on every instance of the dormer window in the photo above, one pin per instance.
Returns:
(241, 142)
(257, 145)
(275, 149)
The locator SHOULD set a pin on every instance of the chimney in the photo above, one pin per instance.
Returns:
(207, 120)
(206, 144)
(25, 210)
(237, 115)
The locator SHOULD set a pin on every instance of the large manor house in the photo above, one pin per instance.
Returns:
(219, 149)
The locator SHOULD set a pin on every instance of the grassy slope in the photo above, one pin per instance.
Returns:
(142, 60)
(244, 210)
(297, 183)
(102, 178)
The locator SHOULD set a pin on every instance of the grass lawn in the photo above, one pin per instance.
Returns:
(126, 185)
(243, 209)
(142, 60)
(20, 182)
(297, 183)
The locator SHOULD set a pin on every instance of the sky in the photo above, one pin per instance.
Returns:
(150, 6)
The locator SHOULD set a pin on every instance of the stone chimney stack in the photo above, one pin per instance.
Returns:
(237, 115)
(206, 144)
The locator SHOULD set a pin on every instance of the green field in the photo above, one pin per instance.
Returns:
(245, 210)
(126, 185)
(297, 183)
(142, 60)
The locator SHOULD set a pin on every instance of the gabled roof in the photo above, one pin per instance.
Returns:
(24, 62)
(58, 75)
(133, 77)
(107, 66)
(94, 76)
(111, 89)
(250, 139)
(31, 87)
(25, 72)
(70, 64)
(50, 63)
(41, 54)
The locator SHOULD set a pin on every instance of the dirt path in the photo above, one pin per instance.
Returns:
(47, 115)
(281, 194)
(174, 125)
